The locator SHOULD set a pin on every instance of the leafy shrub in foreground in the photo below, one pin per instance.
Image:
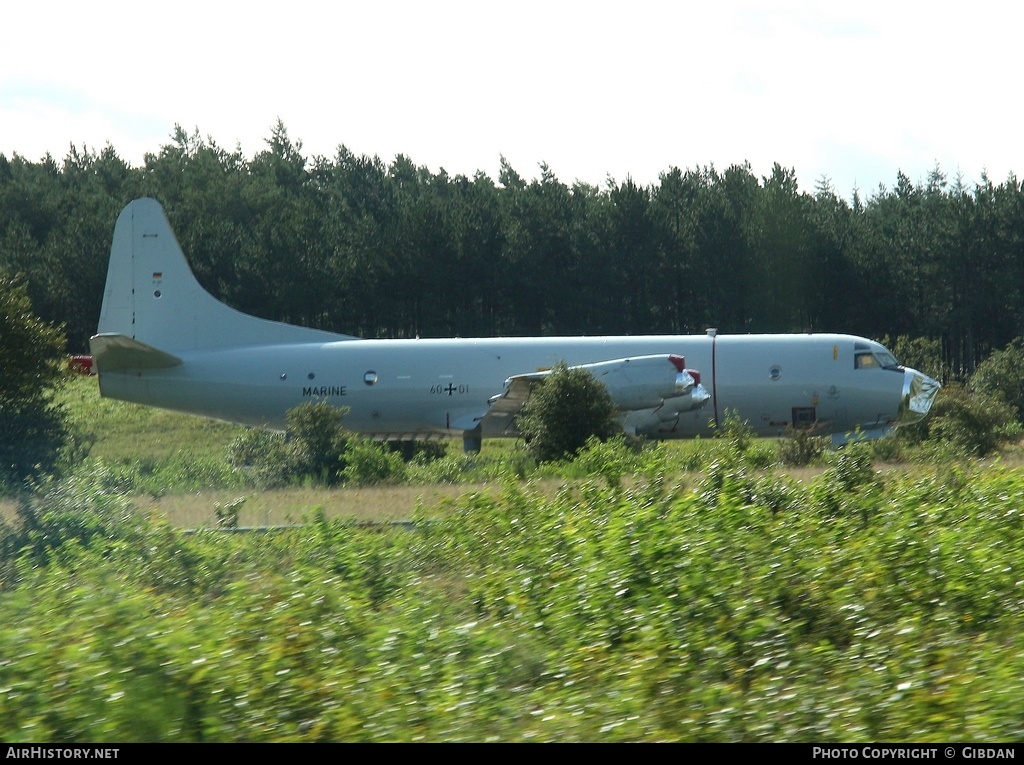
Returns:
(743, 446)
(86, 507)
(802, 447)
(851, 486)
(612, 459)
(421, 452)
(743, 611)
(564, 411)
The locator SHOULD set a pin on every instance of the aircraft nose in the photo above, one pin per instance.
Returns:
(919, 392)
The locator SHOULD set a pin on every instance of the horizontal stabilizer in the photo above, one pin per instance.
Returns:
(113, 351)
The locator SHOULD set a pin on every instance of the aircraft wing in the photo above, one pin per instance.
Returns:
(500, 419)
(638, 383)
(112, 351)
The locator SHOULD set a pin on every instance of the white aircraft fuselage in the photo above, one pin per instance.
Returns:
(163, 341)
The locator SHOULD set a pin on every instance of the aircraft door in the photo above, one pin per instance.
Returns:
(804, 417)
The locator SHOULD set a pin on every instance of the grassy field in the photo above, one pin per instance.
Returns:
(124, 432)
(143, 439)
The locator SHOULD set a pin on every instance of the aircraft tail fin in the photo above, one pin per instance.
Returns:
(152, 297)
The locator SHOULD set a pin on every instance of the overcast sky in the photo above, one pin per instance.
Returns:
(851, 92)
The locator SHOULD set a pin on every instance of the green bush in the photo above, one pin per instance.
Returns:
(742, 444)
(371, 462)
(890, 448)
(1001, 375)
(261, 456)
(612, 459)
(965, 422)
(566, 409)
(736, 432)
(317, 442)
(851, 487)
(421, 451)
(313, 449)
(35, 429)
(452, 468)
(802, 447)
(696, 454)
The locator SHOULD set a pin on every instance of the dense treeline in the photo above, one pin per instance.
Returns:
(362, 247)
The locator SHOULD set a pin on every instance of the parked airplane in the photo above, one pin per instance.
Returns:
(164, 341)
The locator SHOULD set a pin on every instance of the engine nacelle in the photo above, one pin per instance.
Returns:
(663, 418)
(638, 382)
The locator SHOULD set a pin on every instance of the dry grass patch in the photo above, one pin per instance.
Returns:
(274, 507)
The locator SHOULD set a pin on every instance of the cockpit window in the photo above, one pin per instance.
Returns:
(886, 359)
(874, 360)
(865, 360)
